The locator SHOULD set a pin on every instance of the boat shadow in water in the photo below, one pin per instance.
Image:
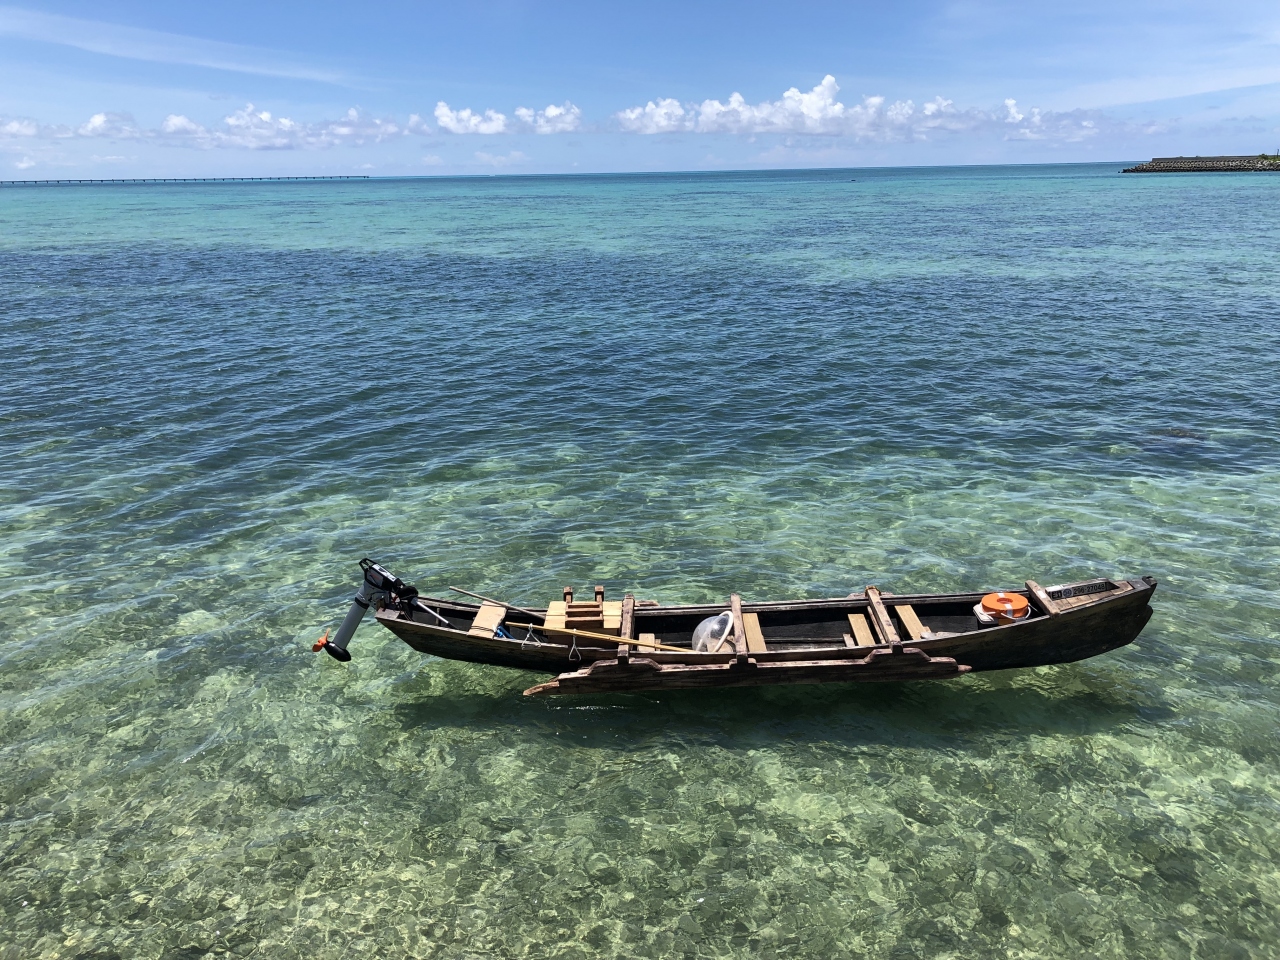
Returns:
(1065, 701)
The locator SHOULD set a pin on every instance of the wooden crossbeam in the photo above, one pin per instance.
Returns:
(1047, 603)
(880, 618)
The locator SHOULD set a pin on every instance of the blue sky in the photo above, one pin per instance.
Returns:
(236, 88)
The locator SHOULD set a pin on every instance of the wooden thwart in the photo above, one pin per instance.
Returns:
(861, 630)
(755, 636)
(915, 629)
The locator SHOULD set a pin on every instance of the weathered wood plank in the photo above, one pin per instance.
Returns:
(880, 618)
(1047, 603)
(643, 673)
(739, 628)
(627, 623)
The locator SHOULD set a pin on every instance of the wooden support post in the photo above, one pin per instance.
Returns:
(628, 623)
(880, 619)
(739, 630)
(599, 593)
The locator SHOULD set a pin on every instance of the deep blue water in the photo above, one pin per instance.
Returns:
(216, 398)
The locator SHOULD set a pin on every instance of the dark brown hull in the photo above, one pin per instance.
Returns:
(800, 642)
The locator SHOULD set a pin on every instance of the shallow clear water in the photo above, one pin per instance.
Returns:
(216, 398)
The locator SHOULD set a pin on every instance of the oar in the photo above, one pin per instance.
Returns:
(509, 606)
(604, 636)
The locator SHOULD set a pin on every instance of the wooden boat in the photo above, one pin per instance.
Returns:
(604, 646)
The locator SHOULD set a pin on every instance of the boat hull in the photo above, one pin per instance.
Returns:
(1060, 631)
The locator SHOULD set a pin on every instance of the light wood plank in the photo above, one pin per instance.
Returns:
(861, 630)
(755, 636)
(487, 620)
(556, 612)
(612, 615)
(915, 629)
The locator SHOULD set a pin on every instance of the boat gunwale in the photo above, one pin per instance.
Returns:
(853, 600)
(514, 648)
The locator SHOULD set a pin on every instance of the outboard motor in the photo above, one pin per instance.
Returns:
(379, 585)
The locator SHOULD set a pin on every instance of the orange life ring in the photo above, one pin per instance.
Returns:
(1006, 607)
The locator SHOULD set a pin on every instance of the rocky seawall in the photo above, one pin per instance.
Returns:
(1206, 165)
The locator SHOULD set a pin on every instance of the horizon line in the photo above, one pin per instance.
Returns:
(91, 181)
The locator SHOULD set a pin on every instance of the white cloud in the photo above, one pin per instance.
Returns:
(175, 124)
(117, 126)
(554, 119)
(432, 160)
(248, 128)
(465, 121)
(19, 127)
(26, 163)
(355, 127)
(819, 112)
(256, 129)
(489, 159)
(664, 116)
(155, 46)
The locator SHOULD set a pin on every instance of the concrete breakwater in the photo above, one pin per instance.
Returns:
(1206, 165)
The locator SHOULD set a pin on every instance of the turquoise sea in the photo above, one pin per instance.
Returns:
(217, 398)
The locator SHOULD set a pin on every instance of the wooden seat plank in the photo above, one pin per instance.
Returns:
(488, 619)
(861, 630)
(915, 629)
(612, 615)
(755, 636)
(556, 612)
